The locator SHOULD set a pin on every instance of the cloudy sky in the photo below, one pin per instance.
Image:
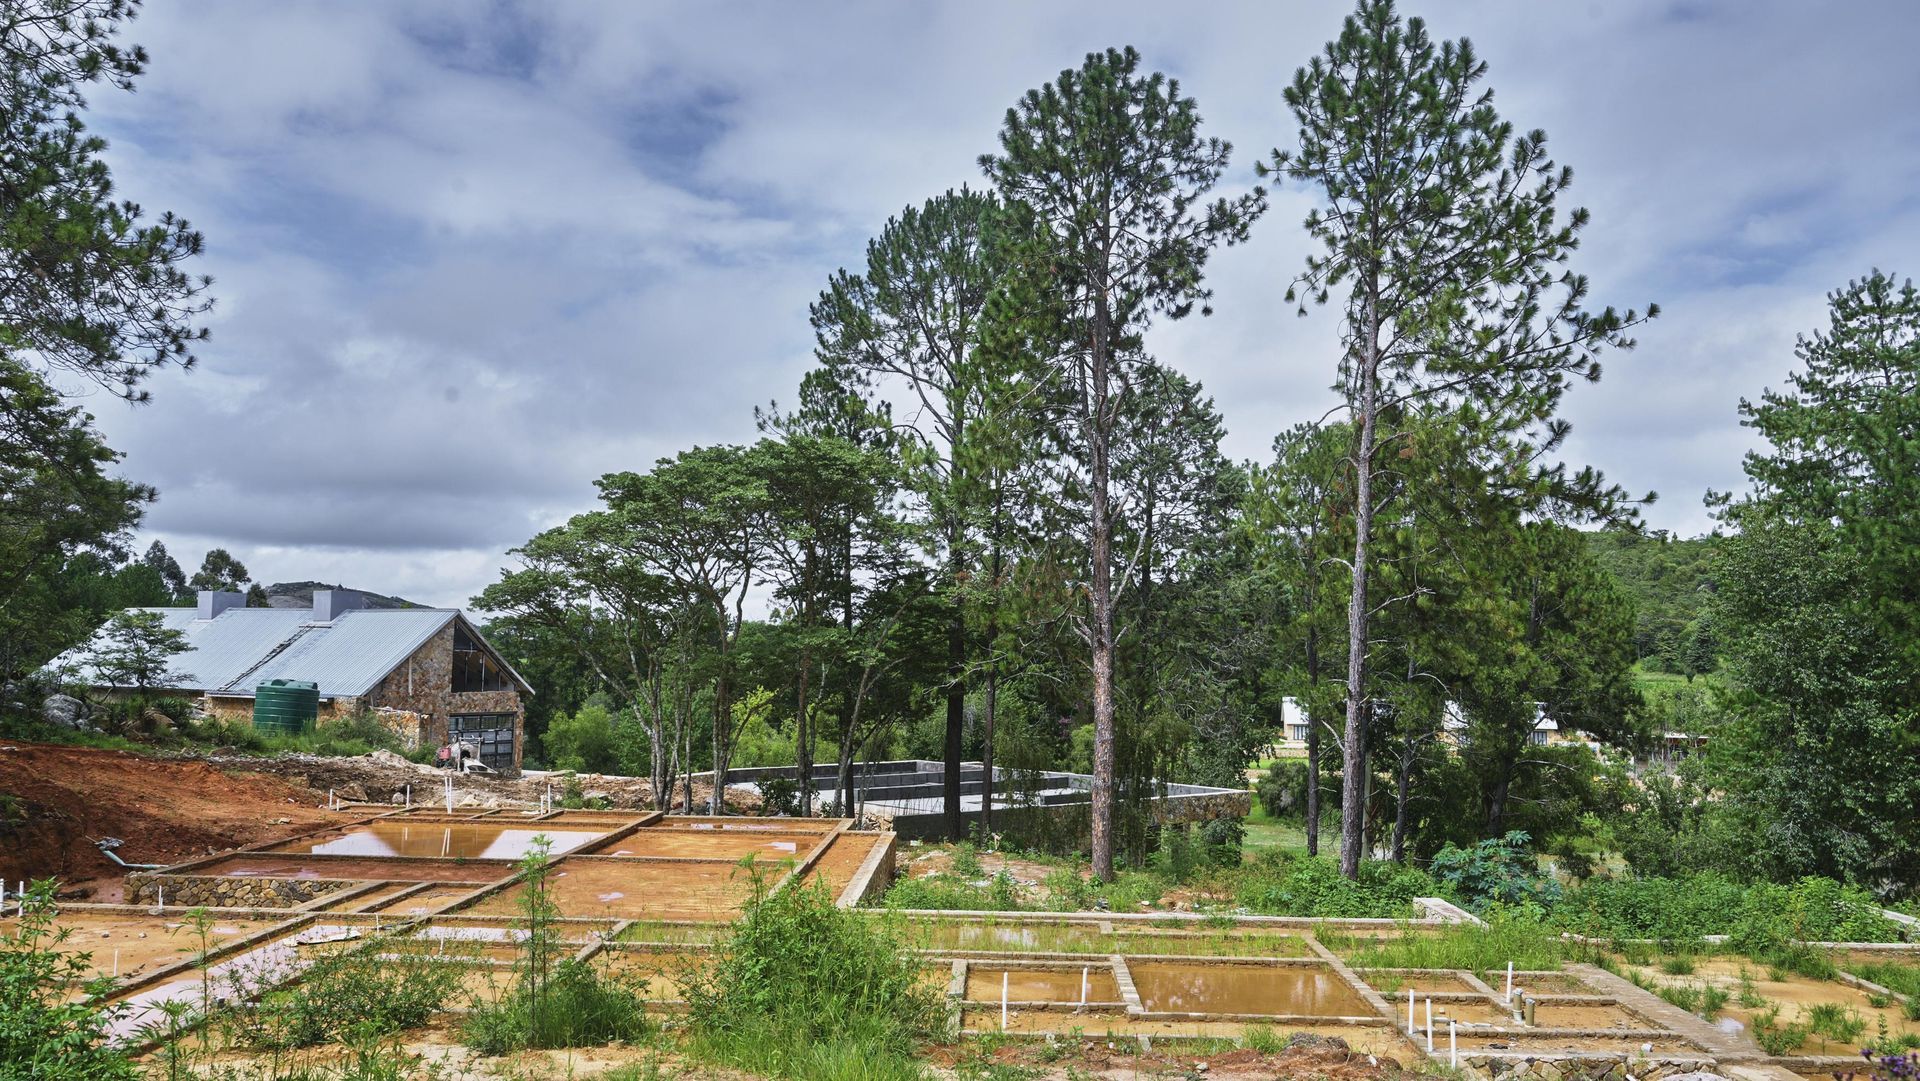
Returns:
(470, 256)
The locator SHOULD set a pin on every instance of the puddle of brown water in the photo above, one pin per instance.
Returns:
(1173, 987)
(459, 841)
(1042, 985)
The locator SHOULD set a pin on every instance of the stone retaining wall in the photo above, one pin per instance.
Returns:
(1588, 1067)
(225, 891)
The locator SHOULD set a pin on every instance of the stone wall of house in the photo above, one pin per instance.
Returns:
(423, 686)
(222, 891)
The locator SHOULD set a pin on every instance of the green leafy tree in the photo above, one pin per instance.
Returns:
(583, 741)
(591, 591)
(1291, 522)
(831, 520)
(702, 521)
(1442, 229)
(1104, 171)
(135, 650)
(1817, 608)
(63, 516)
(172, 577)
(219, 570)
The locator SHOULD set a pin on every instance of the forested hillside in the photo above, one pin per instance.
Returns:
(1671, 583)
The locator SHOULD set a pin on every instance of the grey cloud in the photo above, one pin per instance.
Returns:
(471, 257)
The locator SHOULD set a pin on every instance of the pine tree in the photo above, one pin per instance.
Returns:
(1443, 229)
(1846, 443)
(1103, 171)
(911, 323)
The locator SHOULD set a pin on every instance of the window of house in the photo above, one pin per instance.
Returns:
(491, 734)
(1297, 733)
(474, 669)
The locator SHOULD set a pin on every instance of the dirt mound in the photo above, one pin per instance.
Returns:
(56, 801)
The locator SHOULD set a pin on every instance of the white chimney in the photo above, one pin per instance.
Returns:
(215, 601)
(329, 604)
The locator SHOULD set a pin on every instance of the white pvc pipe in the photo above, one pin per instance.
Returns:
(1083, 986)
(1003, 1000)
(1410, 1029)
(1429, 1024)
(1453, 1044)
(116, 963)
(1509, 980)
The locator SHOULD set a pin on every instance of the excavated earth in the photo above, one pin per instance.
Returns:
(56, 801)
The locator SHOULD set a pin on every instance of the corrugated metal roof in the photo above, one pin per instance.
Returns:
(353, 653)
(244, 647)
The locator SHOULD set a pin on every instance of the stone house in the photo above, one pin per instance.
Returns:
(426, 673)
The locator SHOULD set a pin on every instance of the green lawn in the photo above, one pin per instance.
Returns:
(1264, 831)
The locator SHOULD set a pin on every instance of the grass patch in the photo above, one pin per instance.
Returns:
(1507, 937)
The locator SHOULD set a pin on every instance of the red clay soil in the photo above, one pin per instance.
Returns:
(164, 810)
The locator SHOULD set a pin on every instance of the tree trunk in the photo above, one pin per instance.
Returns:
(1313, 747)
(1100, 623)
(1353, 789)
(1400, 778)
(956, 697)
(1497, 807)
(993, 692)
(802, 752)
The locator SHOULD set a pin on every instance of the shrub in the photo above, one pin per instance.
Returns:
(1283, 791)
(801, 988)
(1281, 883)
(1222, 838)
(367, 992)
(44, 1033)
(556, 1000)
(1498, 870)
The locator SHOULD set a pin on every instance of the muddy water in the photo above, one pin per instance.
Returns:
(1172, 987)
(1042, 985)
(473, 841)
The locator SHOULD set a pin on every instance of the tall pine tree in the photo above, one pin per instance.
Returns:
(1442, 228)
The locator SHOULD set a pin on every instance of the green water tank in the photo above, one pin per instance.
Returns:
(285, 707)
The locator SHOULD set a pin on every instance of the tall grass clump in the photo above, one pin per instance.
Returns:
(804, 989)
(555, 1000)
(1510, 935)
